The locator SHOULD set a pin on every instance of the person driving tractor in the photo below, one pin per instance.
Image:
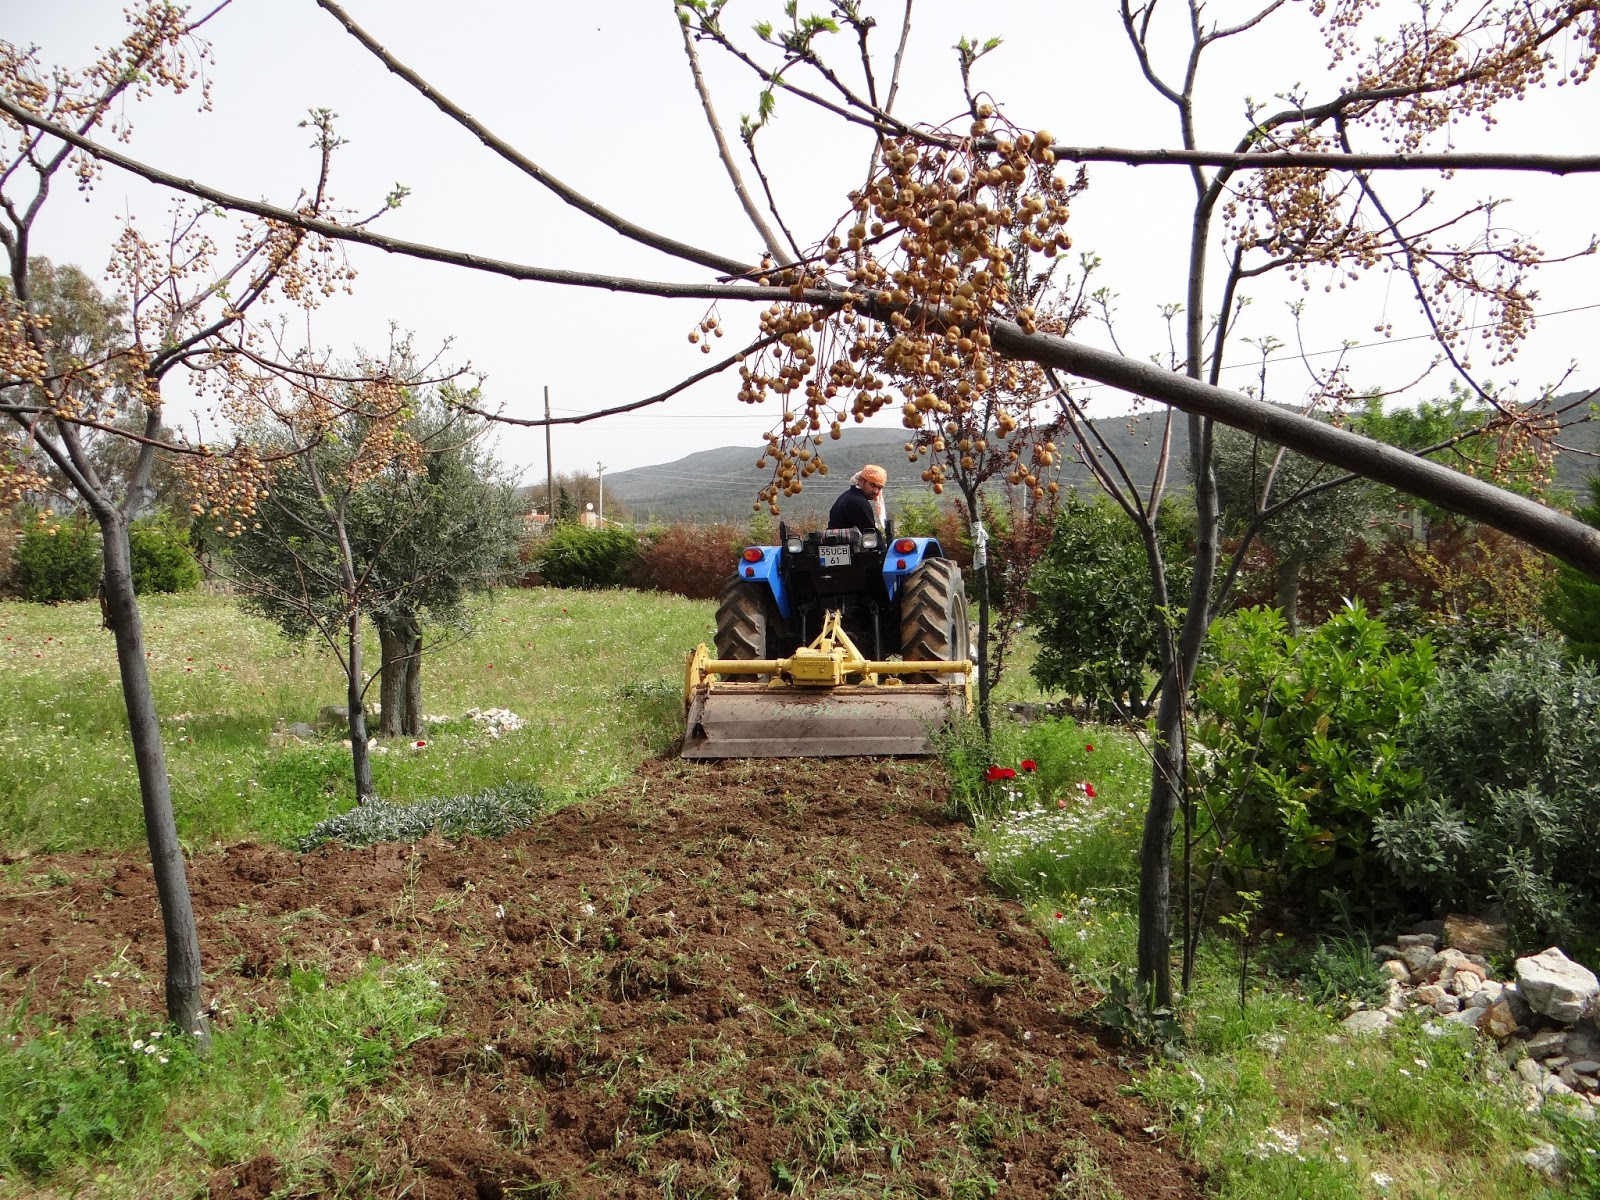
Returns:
(861, 505)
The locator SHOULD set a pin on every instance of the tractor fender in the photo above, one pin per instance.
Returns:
(898, 566)
(765, 570)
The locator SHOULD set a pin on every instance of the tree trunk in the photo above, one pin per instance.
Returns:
(392, 678)
(980, 565)
(412, 724)
(400, 681)
(360, 756)
(1289, 569)
(1169, 757)
(185, 1005)
(1155, 851)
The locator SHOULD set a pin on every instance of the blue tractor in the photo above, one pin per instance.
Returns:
(837, 642)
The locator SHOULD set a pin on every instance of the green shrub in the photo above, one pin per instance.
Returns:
(576, 557)
(162, 558)
(1572, 599)
(1338, 969)
(1297, 751)
(1509, 751)
(59, 562)
(1094, 607)
(494, 812)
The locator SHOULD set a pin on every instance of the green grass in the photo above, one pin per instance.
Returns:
(595, 677)
(1272, 1098)
(124, 1103)
(1042, 833)
(1269, 1096)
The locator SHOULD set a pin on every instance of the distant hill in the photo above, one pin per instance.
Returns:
(721, 484)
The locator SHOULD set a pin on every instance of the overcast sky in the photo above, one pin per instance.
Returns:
(600, 94)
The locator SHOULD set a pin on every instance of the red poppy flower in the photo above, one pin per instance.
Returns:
(1088, 790)
(993, 774)
(1058, 916)
(1089, 746)
(1028, 764)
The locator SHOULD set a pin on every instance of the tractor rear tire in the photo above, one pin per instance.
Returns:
(748, 624)
(933, 617)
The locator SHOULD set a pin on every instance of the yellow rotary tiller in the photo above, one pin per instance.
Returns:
(825, 700)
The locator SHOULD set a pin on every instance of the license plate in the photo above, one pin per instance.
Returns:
(833, 556)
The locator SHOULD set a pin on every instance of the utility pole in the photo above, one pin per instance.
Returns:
(600, 475)
(549, 471)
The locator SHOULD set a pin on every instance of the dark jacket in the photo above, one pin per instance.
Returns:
(853, 511)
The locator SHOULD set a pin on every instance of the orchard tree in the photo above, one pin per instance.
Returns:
(1401, 88)
(1099, 626)
(381, 507)
(893, 315)
(1253, 481)
(461, 527)
(77, 367)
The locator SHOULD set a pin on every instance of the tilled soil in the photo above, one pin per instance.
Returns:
(724, 979)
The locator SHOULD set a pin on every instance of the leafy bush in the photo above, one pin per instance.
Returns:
(1297, 750)
(59, 562)
(1336, 970)
(493, 812)
(577, 557)
(687, 560)
(1509, 751)
(1572, 602)
(1469, 588)
(1094, 607)
(163, 560)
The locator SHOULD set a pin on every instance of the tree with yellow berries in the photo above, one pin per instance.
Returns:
(179, 305)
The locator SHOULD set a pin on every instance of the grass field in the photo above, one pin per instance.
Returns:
(596, 678)
(1266, 1095)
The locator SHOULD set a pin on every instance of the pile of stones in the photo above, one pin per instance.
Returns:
(1546, 1020)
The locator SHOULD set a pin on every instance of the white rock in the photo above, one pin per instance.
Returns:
(1544, 1158)
(1416, 958)
(1444, 966)
(1585, 1066)
(1367, 1021)
(1429, 994)
(1530, 1071)
(1553, 1086)
(1272, 1043)
(1556, 986)
(1470, 1017)
(1397, 969)
(1447, 1004)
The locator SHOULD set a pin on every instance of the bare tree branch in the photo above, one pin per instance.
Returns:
(768, 237)
(527, 166)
